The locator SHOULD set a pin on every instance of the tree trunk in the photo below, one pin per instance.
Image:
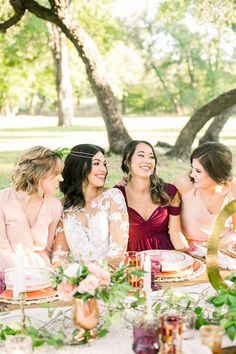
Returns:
(58, 13)
(213, 131)
(62, 74)
(165, 88)
(182, 147)
(117, 134)
(32, 104)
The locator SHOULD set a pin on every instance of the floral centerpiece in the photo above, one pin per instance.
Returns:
(88, 284)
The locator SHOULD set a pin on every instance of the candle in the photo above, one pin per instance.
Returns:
(147, 284)
(19, 272)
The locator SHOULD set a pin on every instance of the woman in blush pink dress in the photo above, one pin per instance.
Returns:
(204, 192)
(29, 212)
(153, 205)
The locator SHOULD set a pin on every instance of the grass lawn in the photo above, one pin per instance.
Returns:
(21, 132)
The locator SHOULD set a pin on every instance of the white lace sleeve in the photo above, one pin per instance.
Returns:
(60, 243)
(118, 224)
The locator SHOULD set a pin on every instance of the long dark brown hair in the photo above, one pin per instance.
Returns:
(78, 165)
(157, 185)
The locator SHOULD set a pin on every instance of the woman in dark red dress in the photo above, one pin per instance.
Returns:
(153, 205)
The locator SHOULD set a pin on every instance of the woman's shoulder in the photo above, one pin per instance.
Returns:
(54, 201)
(6, 193)
(114, 194)
(183, 183)
(170, 189)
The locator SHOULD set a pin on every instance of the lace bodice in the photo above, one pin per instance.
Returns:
(99, 230)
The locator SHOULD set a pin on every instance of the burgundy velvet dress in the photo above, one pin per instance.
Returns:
(152, 233)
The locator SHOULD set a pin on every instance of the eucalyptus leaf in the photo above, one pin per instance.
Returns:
(231, 331)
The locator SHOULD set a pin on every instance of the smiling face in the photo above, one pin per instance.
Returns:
(142, 161)
(200, 177)
(98, 173)
(49, 183)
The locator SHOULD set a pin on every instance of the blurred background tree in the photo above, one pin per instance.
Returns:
(168, 57)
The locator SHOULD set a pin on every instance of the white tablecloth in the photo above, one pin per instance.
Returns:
(117, 341)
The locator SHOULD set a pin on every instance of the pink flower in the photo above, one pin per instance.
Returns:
(104, 278)
(95, 269)
(88, 285)
(102, 275)
(66, 291)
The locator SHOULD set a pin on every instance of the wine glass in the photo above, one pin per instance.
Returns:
(145, 335)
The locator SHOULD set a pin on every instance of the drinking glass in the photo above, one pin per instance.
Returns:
(170, 334)
(188, 323)
(211, 336)
(2, 281)
(19, 344)
(145, 333)
(133, 259)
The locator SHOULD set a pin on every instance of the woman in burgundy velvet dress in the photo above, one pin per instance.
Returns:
(153, 205)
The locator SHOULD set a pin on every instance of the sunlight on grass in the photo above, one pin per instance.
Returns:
(92, 130)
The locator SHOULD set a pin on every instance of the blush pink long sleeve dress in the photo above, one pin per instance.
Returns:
(14, 229)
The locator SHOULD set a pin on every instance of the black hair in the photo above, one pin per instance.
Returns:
(78, 165)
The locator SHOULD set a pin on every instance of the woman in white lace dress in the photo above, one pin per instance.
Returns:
(95, 219)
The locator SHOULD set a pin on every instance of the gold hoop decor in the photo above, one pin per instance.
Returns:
(212, 247)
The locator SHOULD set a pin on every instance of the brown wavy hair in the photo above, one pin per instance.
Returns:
(35, 164)
(216, 159)
(157, 185)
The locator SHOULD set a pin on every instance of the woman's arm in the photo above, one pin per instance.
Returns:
(52, 227)
(118, 227)
(7, 254)
(175, 231)
(60, 246)
(176, 235)
(183, 183)
(233, 191)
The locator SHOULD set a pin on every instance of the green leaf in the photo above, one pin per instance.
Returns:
(102, 332)
(138, 302)
(219, 300)
(231, 300)
(32, 331)
(52, 341)
(37, 342)
(198, 310)
(231, 331)
(157, 307)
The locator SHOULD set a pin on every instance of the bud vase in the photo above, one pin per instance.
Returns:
(85, 316)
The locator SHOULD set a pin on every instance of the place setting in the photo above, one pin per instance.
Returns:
(166, 265)
(34, 282)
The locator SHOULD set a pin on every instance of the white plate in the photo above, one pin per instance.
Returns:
(36, 278)
(171, 260)
(231, 249)
(200, 269)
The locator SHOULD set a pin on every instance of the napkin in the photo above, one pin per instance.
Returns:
(197, 250)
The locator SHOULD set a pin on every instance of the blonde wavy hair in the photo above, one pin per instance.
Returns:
(35, 164)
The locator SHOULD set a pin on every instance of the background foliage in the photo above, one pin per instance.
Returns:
(169, 57)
